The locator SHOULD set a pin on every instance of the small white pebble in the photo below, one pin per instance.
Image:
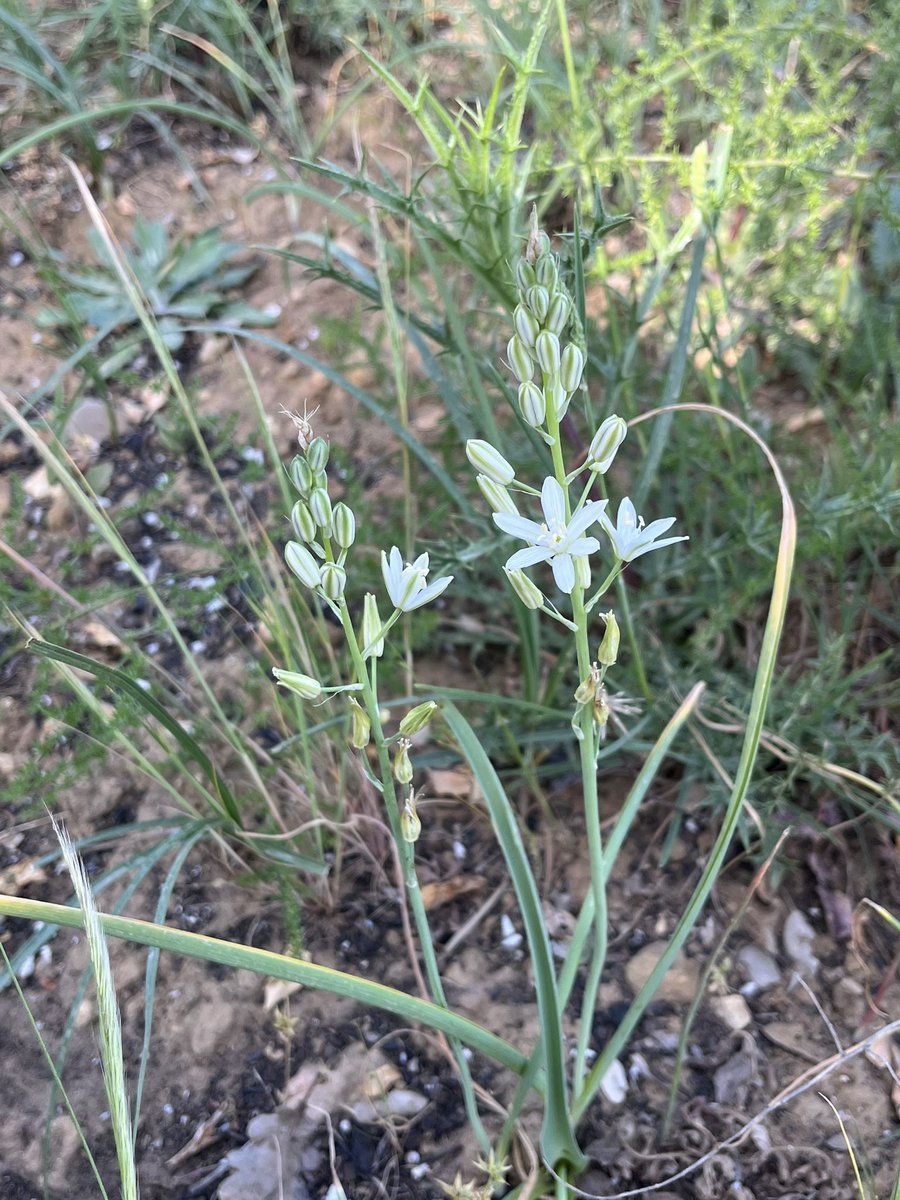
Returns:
(16, 258)
(419, 1171)
(202, 583)
(510, 939)
(151, 519)
(459, 851)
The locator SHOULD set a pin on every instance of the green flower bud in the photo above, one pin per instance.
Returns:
(410, 824)
(608, 650)
(601, 709)
(403, 769)
(371, 624)
(547, 353)
(343, 525)
(546, 271)
(488, 461)
(320, 480)
(527, 327)
(524, 275)
(301, 475)
(532, 404)
(320, 507)
(334, 580)
(417, 718)
(519, 359)
(571, 367)
(538, 301)
(558, 313)
(527, 591)
(317, 454)
(302, 685)
(360, 726)
(586, 690)
(542, 243)
(302, 563)
(582, 565)
(497, 496)
(605, 444)
(302, 523)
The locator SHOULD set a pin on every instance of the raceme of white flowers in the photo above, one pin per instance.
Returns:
(324, 534)
(548, 374)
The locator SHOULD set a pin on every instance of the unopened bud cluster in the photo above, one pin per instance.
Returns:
(324, 532)
(537, 348)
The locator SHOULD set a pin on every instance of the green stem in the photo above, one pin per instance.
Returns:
(410, 878)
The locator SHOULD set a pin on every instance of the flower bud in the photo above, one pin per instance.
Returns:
(533, 404)
(605, 444)
(417, 718)
(497, 496)
(488, 461)
(320, 507)
(547, 353)
(538, 301)
(334, 580)
(582, 565)
(410, 824)
(403, 769)
(343, 525)
(302, 685)
(558, 313)
(571, 367)
(542, 243)
(320, 480)
(302, 523)
(601, 709)
(360, 726)
(317, 454)
(524, 275)
(586, 690)
(527, 326)
(371, 624)
(519, 359)
(301, 475)
(545, 270)
(608, 650)
(527, 591)
(302, 563)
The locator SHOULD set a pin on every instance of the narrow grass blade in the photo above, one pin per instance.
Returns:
(279, 966)
(557, 1136)
(120, 681)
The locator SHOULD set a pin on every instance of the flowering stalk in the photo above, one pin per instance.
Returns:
(549, 372)
(318, 560)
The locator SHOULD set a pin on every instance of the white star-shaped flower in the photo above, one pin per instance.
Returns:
(406, 585)
(631, 538)
(554, 540)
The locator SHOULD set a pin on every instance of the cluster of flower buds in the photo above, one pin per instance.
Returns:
(540, 319)
(324, 532)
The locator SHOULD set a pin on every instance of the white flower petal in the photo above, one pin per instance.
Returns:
(652, 531)
(633, 554)
(528, 557)
(553, 502)
(520, 527)
(586, 516)
(626, 517)
(426, 595)
(580, 547)
(563, 572)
